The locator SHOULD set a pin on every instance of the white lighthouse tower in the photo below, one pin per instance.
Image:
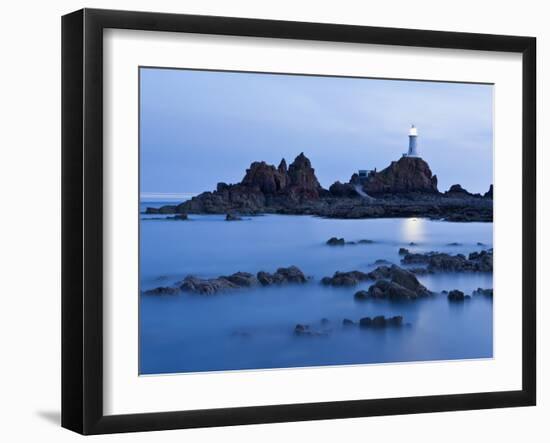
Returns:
(413, 136)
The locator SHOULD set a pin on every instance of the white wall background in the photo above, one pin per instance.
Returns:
(30, 224)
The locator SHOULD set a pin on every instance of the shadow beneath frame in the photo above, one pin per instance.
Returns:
(53, 417)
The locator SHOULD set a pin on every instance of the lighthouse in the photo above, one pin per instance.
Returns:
(413, 135)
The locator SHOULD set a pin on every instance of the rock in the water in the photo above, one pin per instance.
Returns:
(163, 290)
(232, 217)
(484, 292)
(350, 278)
(442, 262)
(348, 322)
(403, 251)
(334, 241)
(206, 286)
(242, 279)
(456, 295)
(393, 283)
(292, 274)
(168, 209)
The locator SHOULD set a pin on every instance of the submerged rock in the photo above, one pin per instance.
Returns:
(306, 331)
(381, 322)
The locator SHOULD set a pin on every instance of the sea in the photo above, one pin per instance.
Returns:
(253, 328)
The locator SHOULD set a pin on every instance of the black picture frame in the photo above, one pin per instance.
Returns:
(82, 218)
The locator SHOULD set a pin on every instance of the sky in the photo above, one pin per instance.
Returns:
(198, 128)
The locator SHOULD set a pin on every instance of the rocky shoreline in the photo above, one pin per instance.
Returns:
(406, 188)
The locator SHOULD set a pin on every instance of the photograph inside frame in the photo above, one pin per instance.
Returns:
(292, 221)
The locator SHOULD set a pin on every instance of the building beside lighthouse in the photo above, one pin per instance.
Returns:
(413, 141)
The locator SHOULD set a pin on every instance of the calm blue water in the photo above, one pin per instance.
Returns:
(253, 328)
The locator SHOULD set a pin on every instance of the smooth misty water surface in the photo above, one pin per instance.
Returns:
(253, 328)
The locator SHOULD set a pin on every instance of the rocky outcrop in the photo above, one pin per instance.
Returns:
(238, 280)
(292, 274)
(393, 283)
(407, 175)
(489, 193)
(457, 191)
(338, 189)
(406, 188)
(441, 262)
(350, 278)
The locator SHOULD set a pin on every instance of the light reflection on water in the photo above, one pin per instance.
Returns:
(253, 329)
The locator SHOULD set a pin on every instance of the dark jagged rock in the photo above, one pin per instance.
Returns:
(338, 189)
(489, 193)
(163, 290)
(238, 280)
(408, 174)
(393, 283)
(232, 217)
(484, 292)
(168, 209)
(334, 241)
(457, 191)
(403, 251)
(242, 279)
(206, 286)
(350, 278)
(348, 322)
(442, 262)
(456, 295)
(292, 274)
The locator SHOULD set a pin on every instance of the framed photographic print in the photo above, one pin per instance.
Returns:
(269, 221)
